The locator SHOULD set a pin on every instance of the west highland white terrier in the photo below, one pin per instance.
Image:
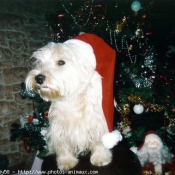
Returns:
(65, 74)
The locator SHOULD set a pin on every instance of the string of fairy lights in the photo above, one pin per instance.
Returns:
(76, 21)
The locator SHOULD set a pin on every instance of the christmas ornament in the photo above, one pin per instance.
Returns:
(35, 121)
(155, 107)
(30, 118)
(147, 69)
(124, 109)
(135, 6)
(154, 151)
(146, 172)
(152, 107)
(135, 99)
(46, 115)
(171, 126)
(139, 33)
(124, 125)
(138, 109)
(120, 25)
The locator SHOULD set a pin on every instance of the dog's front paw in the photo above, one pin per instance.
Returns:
(102, 159)
(67, 163)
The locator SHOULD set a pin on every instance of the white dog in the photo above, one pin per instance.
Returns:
(65, 74)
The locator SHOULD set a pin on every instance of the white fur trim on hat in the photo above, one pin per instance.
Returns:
(84, 49)
(111, 139)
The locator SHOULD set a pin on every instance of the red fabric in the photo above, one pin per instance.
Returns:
(105, 58)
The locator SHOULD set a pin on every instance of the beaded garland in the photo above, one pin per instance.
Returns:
(74, 18)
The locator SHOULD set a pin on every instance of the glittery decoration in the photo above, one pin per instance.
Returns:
(124, 125)
(125, 129)
(149, 60)
(120, 25)
(147, 70)
(125, 109)
(152, 107)
(171, 126)
(146, 172)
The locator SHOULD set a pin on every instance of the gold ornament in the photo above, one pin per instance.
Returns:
(120, 25)
(135, 99)
(119, 28)
(125, 109)
(156, 108)
(146, 172)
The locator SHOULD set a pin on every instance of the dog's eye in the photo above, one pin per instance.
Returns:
(61, 62)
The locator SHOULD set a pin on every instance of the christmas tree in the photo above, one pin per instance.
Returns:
(142, 33)
(33, 126)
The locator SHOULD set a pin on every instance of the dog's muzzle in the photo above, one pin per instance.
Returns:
(40, 78)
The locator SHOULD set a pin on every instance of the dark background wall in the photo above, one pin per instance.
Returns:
(23, 29)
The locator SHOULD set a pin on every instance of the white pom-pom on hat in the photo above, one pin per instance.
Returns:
(111, 139)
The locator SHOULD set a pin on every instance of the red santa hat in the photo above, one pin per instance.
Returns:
(103, 59)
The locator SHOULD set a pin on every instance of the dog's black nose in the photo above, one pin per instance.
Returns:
(40, 78)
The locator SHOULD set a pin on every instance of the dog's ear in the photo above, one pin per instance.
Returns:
(44, 53)
(82, 50)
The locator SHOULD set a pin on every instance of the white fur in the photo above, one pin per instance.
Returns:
(155, 152)
(77, 122)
